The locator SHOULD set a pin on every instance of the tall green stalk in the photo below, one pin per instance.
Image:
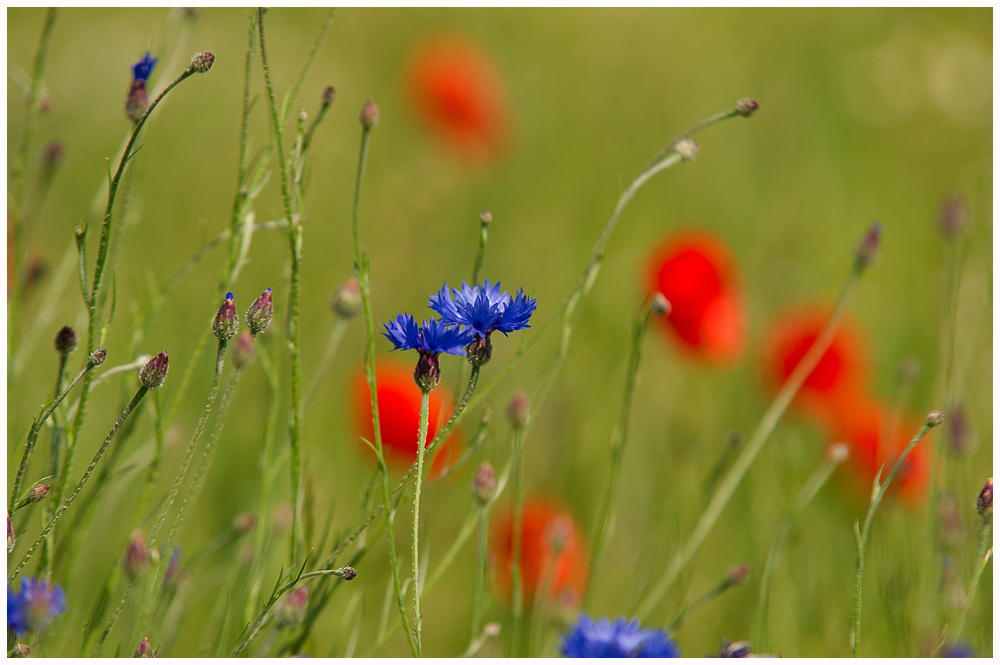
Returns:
(517, 531)
(421, 441)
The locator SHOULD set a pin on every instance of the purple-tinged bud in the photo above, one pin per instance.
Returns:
(137, 101)
(519, 409)
(687, 148)
(480, 350)
(245, 523)
(243, 350)
(52, 155)
(737, 575)
(868, 249)
(984, 504)
(935, 418)
(559, 533)
(346, 302)
(660, 305)
(259, 314)
(65, 340)
(747, 107)
(37, 270)
(347, 573)
(98, 357)
(154, 372)
(329, 94)
(144, 650)
(173, 568)
(136, 555)
(290, 610)
(227, 321)
(201, 62)
(484, 485)
(45, 103)
(21, 650)
(369, 115)
(427, 373)
(960, 434)
(37, 493)
(485, 218)
(954, 215)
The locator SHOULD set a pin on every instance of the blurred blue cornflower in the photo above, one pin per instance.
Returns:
(138, 100)
(958, 650)
(621, 639)
(483, 309)
(429, 340)
(34, 606)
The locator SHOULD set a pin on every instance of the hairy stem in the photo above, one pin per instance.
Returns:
(421, 443)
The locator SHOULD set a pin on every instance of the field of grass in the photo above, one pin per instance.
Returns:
(881, 114)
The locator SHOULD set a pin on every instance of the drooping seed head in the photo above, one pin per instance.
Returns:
(954, 215)
(935, 418)
(369, 114)
(154, 372)
(687, 148)
(144, 650)
(65, 340)
(136, 555)
(747, 106)
(484, 485)
(243, 350)
(202, 61)
(98, 357)
(519, 409)
(259, 314)
(226, 321)
(868, 249)
(348, 573)
(984, 504)
(290, 610)
(346, 302)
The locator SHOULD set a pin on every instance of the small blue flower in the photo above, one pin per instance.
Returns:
(483, 308)
(430, 338)
(958, 650)
(621, 639)
(34, 606)
(142, 69)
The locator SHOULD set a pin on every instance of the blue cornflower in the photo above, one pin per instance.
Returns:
(34, 606)
(142, 69)
(958, 650)
(429, 340)
(621, 639)
(138, 100)
(483, 309)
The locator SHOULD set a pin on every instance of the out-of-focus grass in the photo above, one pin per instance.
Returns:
(864, 114)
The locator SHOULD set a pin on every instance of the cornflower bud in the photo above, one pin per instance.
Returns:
(37, 493)
(346, 302)
(52, 156)
(347, 573)
(484, 485)
(747, 107)
(935, 418)
(687, 149)
(738, 575)
(243, 350)
(144, 650)
(485, 217)
(984, 504)
(227, 321)
(21, 650)
(369, 114)
(660, 305)
(136, 555)
(65, 340)
(202, 61)
(954, 215)
(290, 610)
(868, 248)
(519, 409)
(960, 434)
(154, 372)
(259, 314)
(98, 357)
(329, 94)
(245, 522)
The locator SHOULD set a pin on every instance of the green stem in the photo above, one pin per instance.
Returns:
(517, 530)
(421, 443)
(861, 536)
(332, 344)
(479, 576)
(982, 558)
(606, 518)
(83, 481)
(752, 448)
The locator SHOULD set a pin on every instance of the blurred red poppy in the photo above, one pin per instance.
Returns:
(553, 555)
(697, 274)
(876, 437)
(459, 94)
(399, 416)
(840, 376)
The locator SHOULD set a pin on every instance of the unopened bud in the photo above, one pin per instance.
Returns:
(52, 155)
(346, 302)
(484, 485)
(243, 350)
(687, 149)
(37, 493)
(559, 533)
(935, 418)
(660, 305)
(290, 610)
(738, 575)
(369, 114)
(492, 629)
(954, 215)
(259, 314)
(485, 217)
(65, 340)
(154, 372)
(98, 357)
(136, 555)
(173, 568)
(202, 62)
(329, 94)
(959, 429)
(984, 504)
(303, 114)
(347, 573)
(747, 107)
(245, 522)
(21, 650)
(144, 650)
(226, 321)
(519, 409)
(868, 248)
(838, 452)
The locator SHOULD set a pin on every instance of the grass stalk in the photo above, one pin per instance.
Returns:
(982, 559)
(517, 531)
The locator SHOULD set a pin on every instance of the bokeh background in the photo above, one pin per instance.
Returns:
(865, 114)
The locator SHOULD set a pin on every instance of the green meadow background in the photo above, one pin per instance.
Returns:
(864, 114)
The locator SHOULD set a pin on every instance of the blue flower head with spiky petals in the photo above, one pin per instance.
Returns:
(142, 69)
(621, 639)
(429, 340)
(34, 606)
(483, 309)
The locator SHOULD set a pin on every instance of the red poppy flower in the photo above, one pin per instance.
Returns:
(399, 416)
(458, 93)
(840, 376)
(875, 438)
(697, 274)
(553, 554)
